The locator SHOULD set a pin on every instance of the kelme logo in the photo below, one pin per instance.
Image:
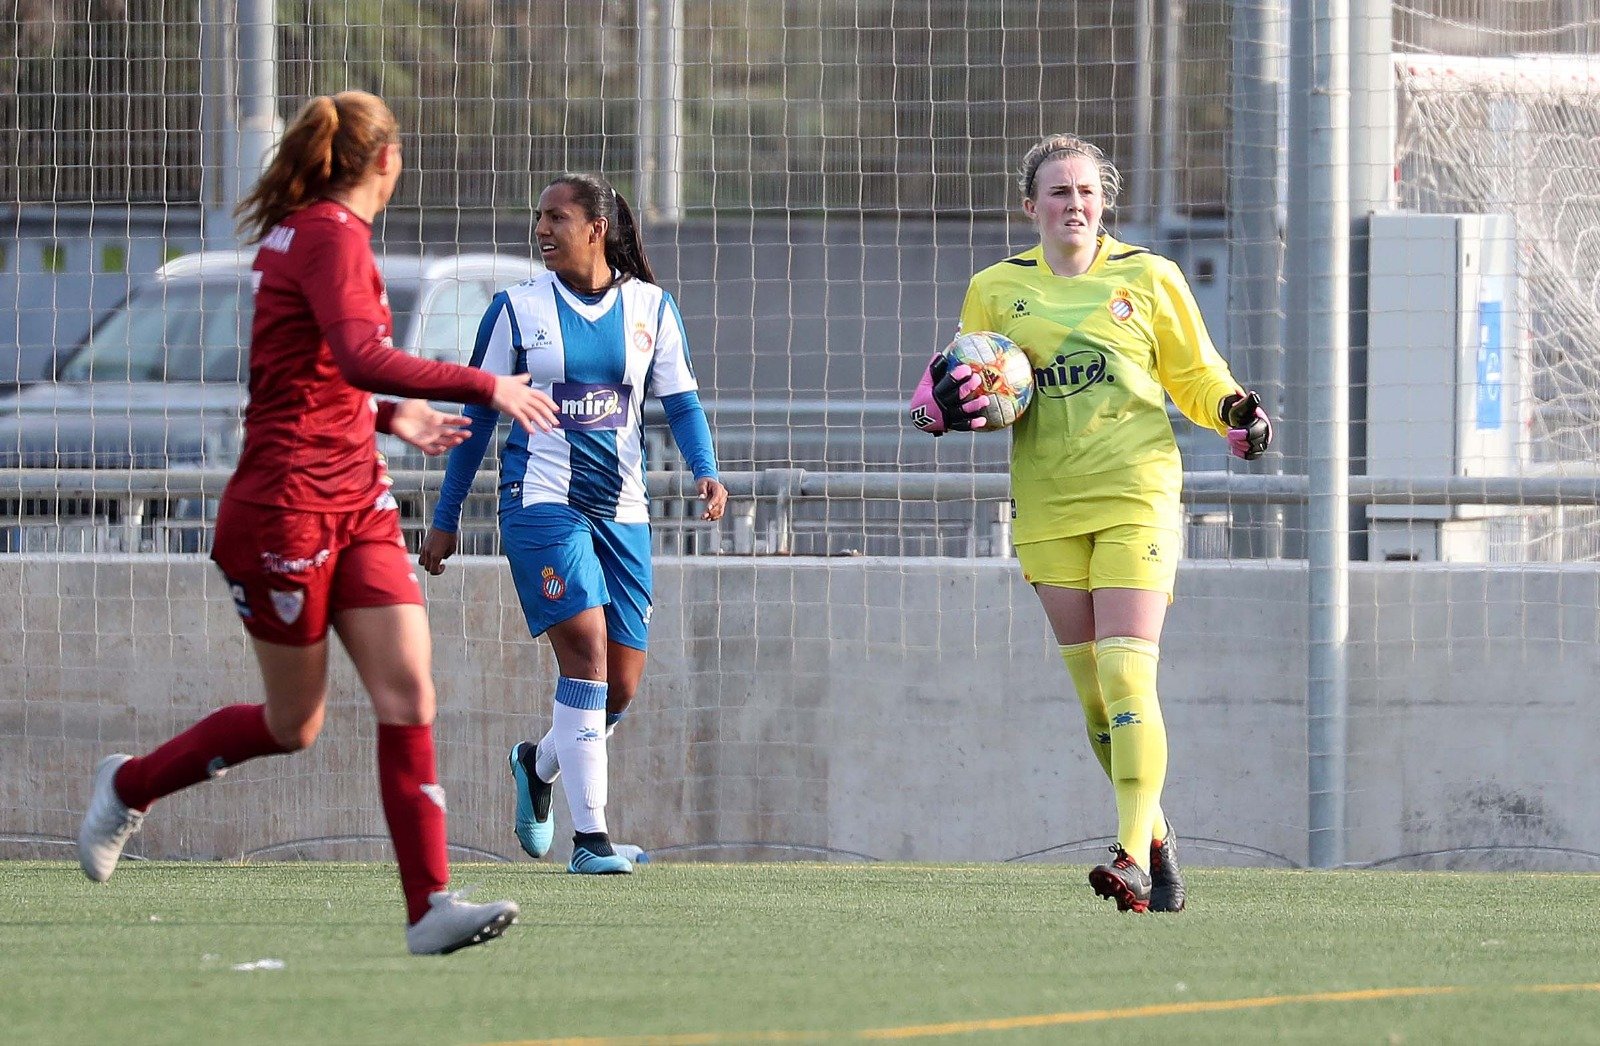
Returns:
(1071, 373)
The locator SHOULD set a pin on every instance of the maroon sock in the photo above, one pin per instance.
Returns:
(226, 737)
(413, 804)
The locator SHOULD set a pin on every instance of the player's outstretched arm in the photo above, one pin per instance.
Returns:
(1249, 428)
(944, 399)
(429, 430)
(531, 408)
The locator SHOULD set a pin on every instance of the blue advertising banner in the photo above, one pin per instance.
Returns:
(1491, 365)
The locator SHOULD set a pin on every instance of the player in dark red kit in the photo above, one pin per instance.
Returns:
(308, 534)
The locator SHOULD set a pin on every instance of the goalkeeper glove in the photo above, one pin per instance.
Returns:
(940, 403)
(1249, 428)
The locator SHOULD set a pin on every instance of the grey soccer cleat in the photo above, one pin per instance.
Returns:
(1166, 878)
(1122, 881)
(452, 923)
(108, 824)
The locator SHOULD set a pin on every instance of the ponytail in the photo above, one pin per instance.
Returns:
(625, 250)
(330, 145)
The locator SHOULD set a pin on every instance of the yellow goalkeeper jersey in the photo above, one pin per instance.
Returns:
(1095, 449)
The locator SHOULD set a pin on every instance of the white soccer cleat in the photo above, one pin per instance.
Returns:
(452, 923)
(108, 824)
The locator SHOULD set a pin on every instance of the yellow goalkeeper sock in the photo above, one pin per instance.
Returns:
(1127, 670)
(1086, 679)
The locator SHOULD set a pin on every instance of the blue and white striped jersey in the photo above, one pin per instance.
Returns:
(598, 361)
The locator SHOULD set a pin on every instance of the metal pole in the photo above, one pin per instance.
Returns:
(259, 123)
(1166, 206)
(1255, 260)
(1143, 120)
(1371, 192)
(660, 113)
(1320, 40)
(1372, 129)
(216, 125)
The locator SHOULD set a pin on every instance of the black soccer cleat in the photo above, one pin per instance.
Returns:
(1166, 878)
(1123, 881)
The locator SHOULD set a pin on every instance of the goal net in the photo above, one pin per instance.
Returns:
(1519, 136)
(849, 665)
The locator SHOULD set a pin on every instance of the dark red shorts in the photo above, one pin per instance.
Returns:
(289, 571)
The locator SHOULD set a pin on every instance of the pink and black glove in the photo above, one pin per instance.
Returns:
(940, 403)
(1249, 428)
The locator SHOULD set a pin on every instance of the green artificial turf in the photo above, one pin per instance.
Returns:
(709, 954)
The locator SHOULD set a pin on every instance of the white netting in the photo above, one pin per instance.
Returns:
(1519, 135)
(848, 665)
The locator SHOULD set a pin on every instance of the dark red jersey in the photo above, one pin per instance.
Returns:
(321, 343)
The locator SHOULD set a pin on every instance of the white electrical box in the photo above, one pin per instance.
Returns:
(1447, 375)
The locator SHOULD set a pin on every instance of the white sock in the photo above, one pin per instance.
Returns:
(545, 763)
(579, 725)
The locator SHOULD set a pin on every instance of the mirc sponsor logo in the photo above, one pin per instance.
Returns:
(1073, 372)
(596, 406)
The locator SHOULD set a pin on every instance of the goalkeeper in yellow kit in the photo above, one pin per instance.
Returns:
(1111, 330)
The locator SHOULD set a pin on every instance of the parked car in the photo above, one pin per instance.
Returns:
(159, 381)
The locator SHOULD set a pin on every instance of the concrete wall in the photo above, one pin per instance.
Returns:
(904, 709)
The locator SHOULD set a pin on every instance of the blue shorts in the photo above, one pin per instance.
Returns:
(564, 562)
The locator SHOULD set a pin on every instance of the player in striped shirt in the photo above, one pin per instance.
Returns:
(1112, 330)
(598, 335)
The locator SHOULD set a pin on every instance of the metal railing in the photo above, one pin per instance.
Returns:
(135, 510)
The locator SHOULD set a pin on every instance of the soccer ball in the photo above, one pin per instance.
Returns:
(1007, 375)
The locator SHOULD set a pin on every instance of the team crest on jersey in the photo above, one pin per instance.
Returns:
(1121, 308)
(586, 405)
(287, 605)
(553, 585)
(643, 340)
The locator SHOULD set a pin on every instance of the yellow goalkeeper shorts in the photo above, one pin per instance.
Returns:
(1130, 555)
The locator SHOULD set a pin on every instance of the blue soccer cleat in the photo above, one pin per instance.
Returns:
(536, 829)
(592, 855)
